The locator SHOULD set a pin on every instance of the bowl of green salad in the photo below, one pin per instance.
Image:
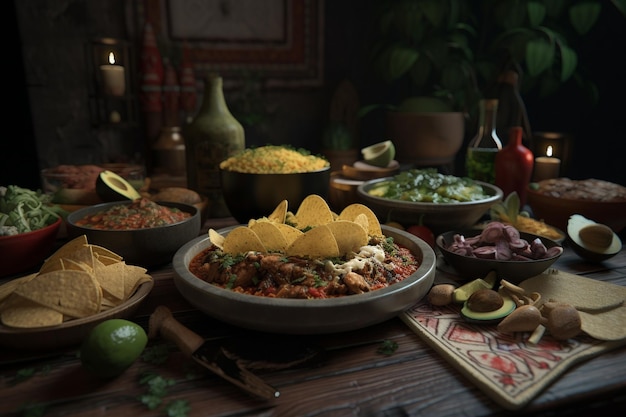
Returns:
(424, 196)
(29, 226)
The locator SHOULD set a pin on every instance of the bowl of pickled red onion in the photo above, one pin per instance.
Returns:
(514, 255)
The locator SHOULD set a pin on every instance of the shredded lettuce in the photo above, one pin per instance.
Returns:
(26, 210)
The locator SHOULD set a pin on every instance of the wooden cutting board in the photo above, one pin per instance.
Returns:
(505, 367)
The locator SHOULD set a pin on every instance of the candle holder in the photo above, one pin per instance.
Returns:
(560, 145)
(111, 67)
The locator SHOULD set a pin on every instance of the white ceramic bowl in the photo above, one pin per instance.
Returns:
(296, 316)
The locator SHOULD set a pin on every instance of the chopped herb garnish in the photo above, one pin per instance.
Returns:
(387, 347)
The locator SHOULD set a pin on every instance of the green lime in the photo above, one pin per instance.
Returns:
(112, 346)
(379, 154)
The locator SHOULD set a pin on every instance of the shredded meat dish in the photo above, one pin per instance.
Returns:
(378, 265)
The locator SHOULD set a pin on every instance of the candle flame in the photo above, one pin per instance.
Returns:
(111, 58)
(549, 151)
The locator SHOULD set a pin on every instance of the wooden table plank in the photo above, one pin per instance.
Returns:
(350, 378)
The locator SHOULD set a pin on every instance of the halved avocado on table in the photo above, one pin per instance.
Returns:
(592, 241)
(489, 317)
(111, 187)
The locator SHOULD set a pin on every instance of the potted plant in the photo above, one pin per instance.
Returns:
(442, 56)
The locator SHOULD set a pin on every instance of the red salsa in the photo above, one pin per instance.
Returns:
(280, 276)
(140, 214)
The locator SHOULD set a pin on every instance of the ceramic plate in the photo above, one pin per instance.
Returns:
(71, 332)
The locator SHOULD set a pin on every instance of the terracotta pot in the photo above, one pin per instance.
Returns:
(425, 138)
(339, 158)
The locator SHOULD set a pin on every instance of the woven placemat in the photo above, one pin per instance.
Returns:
(505, 367)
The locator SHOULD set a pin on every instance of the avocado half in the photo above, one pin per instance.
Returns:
(112, 187)
(489, 317)
(590, 240)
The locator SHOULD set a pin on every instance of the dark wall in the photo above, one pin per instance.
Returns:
(598, 148)
(18, 164)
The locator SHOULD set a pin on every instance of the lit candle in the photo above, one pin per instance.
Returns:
(546, 166)
(113, 78)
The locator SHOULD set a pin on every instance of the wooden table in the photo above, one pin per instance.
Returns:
(350, 378)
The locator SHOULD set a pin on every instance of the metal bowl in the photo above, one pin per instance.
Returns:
(439, 217)
(513, 271)
(147, 247)
(296, 316)
(251, 196)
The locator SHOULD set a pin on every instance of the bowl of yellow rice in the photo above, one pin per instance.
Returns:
(256, 180)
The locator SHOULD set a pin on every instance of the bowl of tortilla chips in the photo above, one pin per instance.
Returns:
(80, 285)
(311, 236)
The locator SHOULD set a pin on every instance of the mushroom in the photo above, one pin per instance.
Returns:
(563, 320)
(523, 319)
(441, 294)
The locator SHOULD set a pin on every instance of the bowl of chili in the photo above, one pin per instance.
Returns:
(143, 232)
(305, 315)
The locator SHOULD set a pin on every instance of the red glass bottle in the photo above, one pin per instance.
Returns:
(514, 166)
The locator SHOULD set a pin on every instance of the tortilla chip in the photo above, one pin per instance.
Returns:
(9, 287)
(107, 260)
(72, 265)
(55, 264)
(271, 236)
(100, 251)
(20, 312)
(134, 276)
(73, 293)
(289, 232)
(361, 219)
(242, 239)
(69, 248)
(280, 213)
(350, 236)
(82, 255)
(318, 242)
(111, 278)
(353, 210)
(313, 211)
(216, 238)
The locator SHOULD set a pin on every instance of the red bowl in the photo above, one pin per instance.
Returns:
(21, 252)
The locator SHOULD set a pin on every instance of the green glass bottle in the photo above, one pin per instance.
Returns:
(212, 136)
(480, 160)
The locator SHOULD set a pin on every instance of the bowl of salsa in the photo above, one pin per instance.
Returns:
(143, 232)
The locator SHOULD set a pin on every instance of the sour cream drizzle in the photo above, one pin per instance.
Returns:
(367, 255)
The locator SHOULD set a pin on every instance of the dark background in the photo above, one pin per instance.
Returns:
(34, 118)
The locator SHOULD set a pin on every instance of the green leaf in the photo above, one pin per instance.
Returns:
(178, 408)
(620, 5)
(401, 59)
(536, 12)
(539, 56)
(433, 11)
(584, 15)
(569, 61)
(387, 347)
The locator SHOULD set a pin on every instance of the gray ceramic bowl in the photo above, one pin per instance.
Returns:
(439, 217)
(513, 271)
(143, 247)
(291, 316)
(250, 196)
